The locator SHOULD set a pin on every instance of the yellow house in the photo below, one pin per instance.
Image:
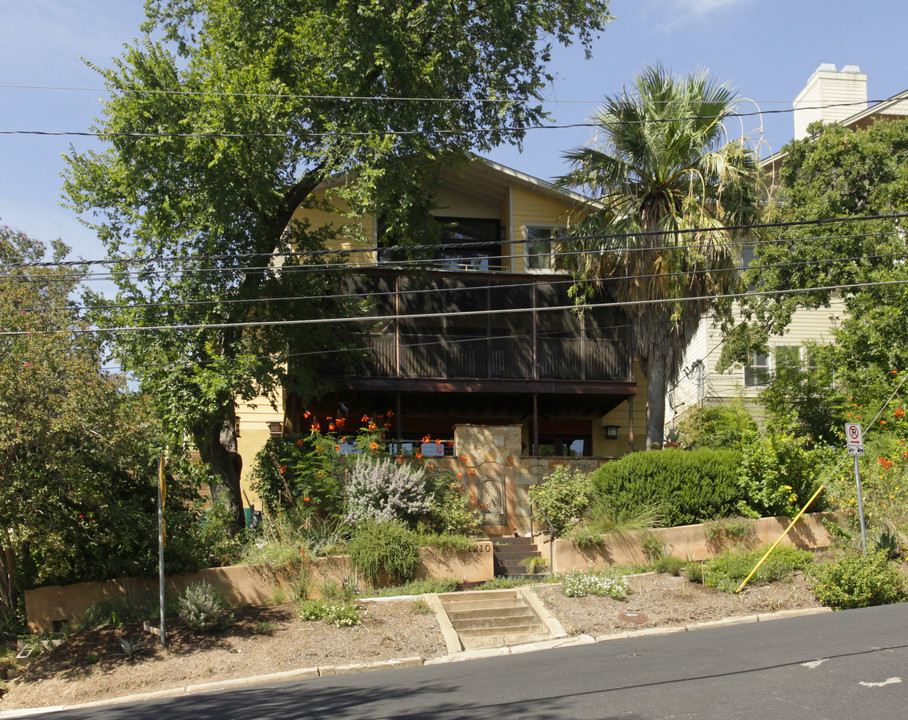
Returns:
(480, 332)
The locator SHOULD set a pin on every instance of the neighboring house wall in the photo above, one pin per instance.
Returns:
(829, 96)
(700, 383)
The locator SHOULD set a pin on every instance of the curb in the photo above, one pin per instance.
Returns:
(411, 662)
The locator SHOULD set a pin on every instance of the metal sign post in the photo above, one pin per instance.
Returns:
(162, 536)
(854, 440)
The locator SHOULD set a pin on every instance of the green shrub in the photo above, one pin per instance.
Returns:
(687, 487)
(503, 583)
(301, 472)
(451, 510)
(584, 537)
(341, 614)
(855, 580)
(561, 499)
(417, 587)
(577, 583)
(202, 607)
(727, 571)
(727, 531)
(693, 571)
(387, 548)
(653, 547)
(716, 426)
(668, 564)
(779, 472)
(445, 541)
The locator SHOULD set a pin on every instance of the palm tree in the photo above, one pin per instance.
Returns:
(669, 182)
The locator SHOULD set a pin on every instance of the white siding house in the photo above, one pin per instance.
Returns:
(829, 96)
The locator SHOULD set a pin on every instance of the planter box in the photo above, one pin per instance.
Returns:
(688, 542)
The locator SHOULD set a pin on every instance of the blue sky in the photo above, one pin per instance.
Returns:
(766, 49)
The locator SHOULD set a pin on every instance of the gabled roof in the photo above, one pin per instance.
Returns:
(483, 178)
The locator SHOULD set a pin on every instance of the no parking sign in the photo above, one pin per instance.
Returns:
(854, 439)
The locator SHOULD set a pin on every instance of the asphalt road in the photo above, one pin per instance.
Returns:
(834, 666)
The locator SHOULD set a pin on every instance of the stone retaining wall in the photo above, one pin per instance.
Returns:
(241, 584)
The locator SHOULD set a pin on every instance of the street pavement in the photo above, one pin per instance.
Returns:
(847, 665)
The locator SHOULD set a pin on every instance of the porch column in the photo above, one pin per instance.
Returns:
(630, 423)
(535, 425)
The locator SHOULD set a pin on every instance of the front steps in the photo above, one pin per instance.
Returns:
(508, 552)
(495, 618)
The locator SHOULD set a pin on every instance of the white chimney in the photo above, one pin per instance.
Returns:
(830, 96)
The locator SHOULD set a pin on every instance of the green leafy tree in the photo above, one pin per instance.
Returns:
(664, 166)
(225, 116)
(77, 448)
(717, 426)
(837, 173)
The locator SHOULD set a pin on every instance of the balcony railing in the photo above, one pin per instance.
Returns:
(535, 344)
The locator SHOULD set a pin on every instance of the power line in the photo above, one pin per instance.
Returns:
(458, 314)
(473, 288)
(388, 98)
(469, 245)
(397, 133)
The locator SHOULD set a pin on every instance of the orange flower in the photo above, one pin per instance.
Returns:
(418, 455)
(299, 443)
(438, 442)
(307, 414)
(305, 499)
(426, 439)
(459, 475)
(374, 447)
(331, 427)
(337, 448)
(365, 418)
(283, 469)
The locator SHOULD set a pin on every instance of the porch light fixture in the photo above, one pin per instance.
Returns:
(276, 429)
(611, 431)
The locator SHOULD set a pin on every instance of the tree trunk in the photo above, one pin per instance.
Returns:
(217, 448)
(9, 592)
(656, 384)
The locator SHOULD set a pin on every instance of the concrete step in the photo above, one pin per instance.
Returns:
(503, 603)
(512, 540)
(494, 641)
(475, 619)
(515, 629)
(492, 618)
(472, 595)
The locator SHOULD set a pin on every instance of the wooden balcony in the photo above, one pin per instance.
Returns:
(461, 327)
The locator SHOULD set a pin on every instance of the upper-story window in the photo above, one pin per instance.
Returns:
(540, 247)
(756, 372)
(463, 244)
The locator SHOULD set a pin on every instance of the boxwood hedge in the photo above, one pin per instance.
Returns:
(685, 486)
